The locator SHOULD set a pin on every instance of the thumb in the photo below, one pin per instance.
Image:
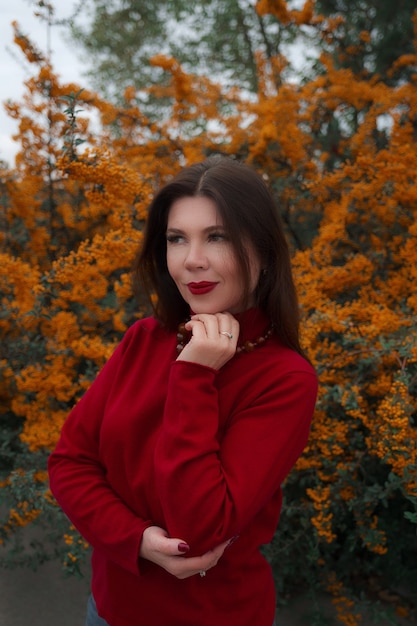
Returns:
(169, 545)
(179, 546)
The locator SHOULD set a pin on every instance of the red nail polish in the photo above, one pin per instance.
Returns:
(232, 540)
(183, 547)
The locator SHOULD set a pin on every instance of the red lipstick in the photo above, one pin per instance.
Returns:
(201, 287)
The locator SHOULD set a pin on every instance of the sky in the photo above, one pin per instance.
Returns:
(13, 68)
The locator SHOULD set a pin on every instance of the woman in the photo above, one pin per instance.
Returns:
(171, 464)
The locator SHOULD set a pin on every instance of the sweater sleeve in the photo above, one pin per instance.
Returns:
(78, 479)
(211, 487)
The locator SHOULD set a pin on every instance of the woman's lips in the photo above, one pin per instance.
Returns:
(201, 288)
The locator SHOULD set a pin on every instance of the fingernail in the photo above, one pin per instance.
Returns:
(183, 547)
(232, 540)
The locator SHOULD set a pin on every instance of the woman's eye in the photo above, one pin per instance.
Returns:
(174, 238)
(215, 237)
(218, 237)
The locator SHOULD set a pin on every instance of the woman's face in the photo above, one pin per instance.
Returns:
(201, 259)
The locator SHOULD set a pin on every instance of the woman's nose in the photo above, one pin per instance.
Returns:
(196, 257)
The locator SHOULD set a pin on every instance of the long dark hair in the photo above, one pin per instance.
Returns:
(249, 213)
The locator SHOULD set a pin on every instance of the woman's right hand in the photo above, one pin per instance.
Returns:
(213, 341)
(169, 553)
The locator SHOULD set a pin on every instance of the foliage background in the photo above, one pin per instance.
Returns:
(339, 150)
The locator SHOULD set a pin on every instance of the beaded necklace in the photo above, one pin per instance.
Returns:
(247, 346)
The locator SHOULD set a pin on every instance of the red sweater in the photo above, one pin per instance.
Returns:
(199, 452)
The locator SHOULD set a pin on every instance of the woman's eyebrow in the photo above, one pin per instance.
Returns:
(208, 229)
(174, 230)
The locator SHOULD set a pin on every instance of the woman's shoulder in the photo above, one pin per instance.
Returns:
(145, 334)
(277, 362)
(141, 328)
(145, 324)
(274, 364)
(148, 326)
(293, 360)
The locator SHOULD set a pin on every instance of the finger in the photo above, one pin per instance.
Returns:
(211, 558)
(227, 322)
(226, 319)
(228, 328)
(218, 550)
(216, 554)
(197, 328)
(175, 547)
(201, 564)
(223, 324)
(209, 324)
(184, 568)
(170, 546)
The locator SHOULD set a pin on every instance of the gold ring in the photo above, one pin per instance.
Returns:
(224, 332)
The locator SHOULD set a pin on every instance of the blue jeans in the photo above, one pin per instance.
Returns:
(93, 619)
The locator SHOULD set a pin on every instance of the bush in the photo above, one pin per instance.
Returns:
(73, 210)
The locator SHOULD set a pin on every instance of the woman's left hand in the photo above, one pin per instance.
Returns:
(166, 552)
(214, 339)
